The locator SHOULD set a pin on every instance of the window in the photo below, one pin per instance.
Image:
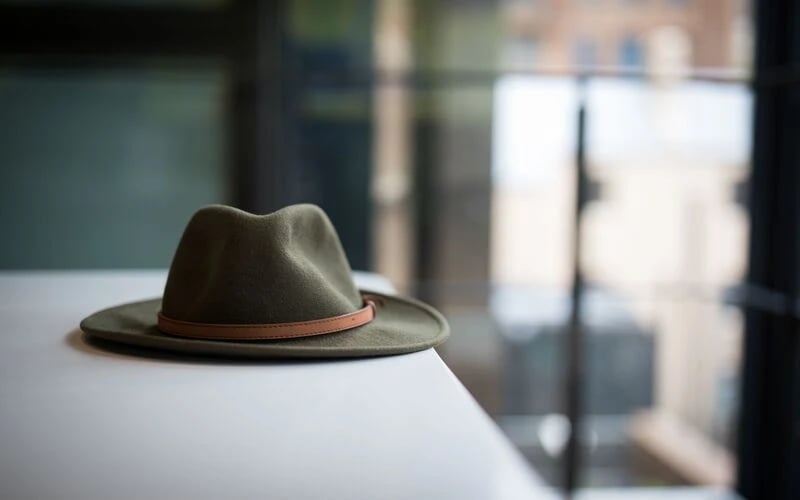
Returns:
(631, 53)
(585, 52)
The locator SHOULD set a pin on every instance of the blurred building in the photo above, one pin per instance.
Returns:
(565, 33)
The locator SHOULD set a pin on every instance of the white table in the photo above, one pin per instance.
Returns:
(81, 422)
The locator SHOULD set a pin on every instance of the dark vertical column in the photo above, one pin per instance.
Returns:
(425, 136)
(425, 140)
(769, 433)
(257, 134)
(574, 361)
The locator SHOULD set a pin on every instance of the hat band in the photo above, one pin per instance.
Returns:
(270, 331)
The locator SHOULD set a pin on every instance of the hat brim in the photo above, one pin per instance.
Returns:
(401, 325)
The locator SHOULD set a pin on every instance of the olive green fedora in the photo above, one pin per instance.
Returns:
(266, 286)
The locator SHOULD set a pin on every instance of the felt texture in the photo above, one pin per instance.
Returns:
(232, 267)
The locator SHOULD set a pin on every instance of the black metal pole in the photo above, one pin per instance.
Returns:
(574, 340)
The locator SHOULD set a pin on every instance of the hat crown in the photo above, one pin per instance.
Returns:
(233, 267)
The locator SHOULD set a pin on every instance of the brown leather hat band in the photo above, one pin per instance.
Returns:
(268, 331)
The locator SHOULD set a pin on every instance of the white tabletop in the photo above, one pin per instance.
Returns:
(78, 421)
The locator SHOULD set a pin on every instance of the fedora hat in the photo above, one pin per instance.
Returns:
(264, 286)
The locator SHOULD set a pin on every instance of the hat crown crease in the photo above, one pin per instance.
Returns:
(232, 267)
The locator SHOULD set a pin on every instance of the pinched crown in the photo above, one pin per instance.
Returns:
(232, 267)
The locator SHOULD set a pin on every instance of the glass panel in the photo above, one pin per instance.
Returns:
(667, 237)
(494, 128)
(102, 169)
